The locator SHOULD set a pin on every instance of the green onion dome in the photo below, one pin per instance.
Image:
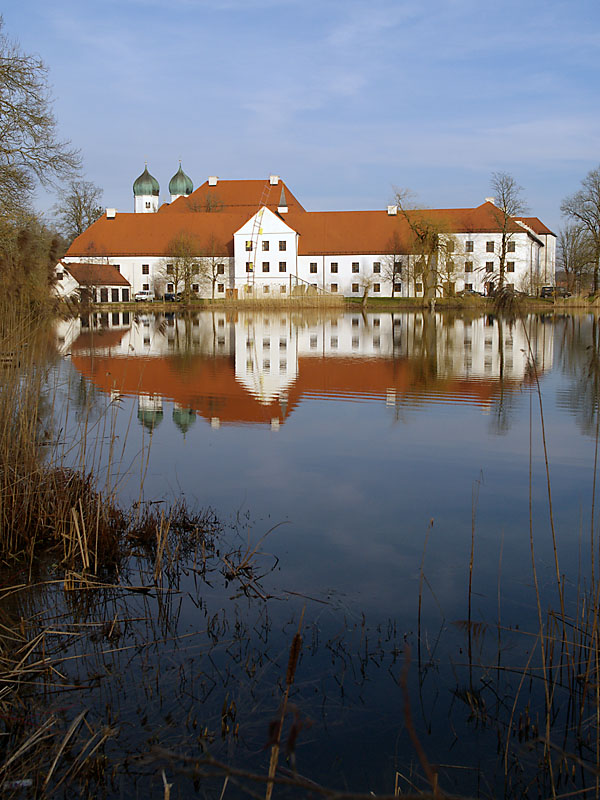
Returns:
(180, 183)
(146, 184)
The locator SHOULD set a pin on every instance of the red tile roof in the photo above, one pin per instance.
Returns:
(151, 234)
(87, 274)
(536, 225)
(377, 232)
(321, 232)
(233, 196)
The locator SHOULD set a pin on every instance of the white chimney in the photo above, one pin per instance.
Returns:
(491, 200)
(212, 180)
(273, 180)
(392, 211)
(111, 213)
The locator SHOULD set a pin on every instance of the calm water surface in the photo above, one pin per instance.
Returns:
(387, 444)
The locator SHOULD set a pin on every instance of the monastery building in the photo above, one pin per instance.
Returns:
(253, 238)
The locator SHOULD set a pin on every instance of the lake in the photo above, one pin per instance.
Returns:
(362, 462)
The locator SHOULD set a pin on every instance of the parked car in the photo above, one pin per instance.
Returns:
(144, 296)
(554, 291)
(172, 297)
(469, 293)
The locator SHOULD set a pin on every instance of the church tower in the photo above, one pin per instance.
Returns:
(145, 193)
(180, 185)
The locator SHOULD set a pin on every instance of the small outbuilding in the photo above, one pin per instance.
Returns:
(96, 283)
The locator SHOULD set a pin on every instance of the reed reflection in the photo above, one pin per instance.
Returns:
(256, 367)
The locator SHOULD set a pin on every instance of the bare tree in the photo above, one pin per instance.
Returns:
(211, 202)
(583, 208)
(574, 255)
(30, 151)
(393, 268)
(180, 265)
(425, 245)
(448, 252)
(509, 203)
(78, 207)
(211, 263)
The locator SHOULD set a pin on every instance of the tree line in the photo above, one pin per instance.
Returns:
(32, 155)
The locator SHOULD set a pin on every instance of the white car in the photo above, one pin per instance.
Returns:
(144, 296)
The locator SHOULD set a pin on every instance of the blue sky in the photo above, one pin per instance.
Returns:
(344, 100)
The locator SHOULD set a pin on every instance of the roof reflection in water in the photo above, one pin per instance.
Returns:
(255, 368)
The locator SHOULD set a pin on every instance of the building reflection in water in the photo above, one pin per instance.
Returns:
(255, 367)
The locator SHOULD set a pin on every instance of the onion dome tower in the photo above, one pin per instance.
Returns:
(145, 193)
(180, 185)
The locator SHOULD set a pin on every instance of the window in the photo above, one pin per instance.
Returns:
(468, 266)
(376, 287)
(170, 287)
(283, 288)
(249, 266)
(334, 287)
(114, 295)
(195, 287)
(117, 267)
(489, 266)
(221, 322)
(267, 364)
(221, 289)
(333, 341)
(469, 246)
(510, 247)
(355, 322)
(147, 204)
(377, 266)
(265, 247)
(282, 246)
(220, 269)
(397, 287)
(283, 365)
(248, 288)
(60, 276)
(355, 342)
(397, 267)
(376, 341)
(334, 266)
(104, 295)
(510, 266)
(313, 342)
(468, 287)
(115, 317)
(265, 266)
(450, 246)
(282, 266)
(419, 287)
(125, 299)
(221, 341)
(313, 267)
(266, 343)
(283, 344)
(376, 322)
(145, 269)
(248, 245)
(355, 266)
(146, 287)
(355, 287)
(489, 247)
(169, 269)
(265, 290)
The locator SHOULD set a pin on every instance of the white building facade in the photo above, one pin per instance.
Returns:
(262, 243)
